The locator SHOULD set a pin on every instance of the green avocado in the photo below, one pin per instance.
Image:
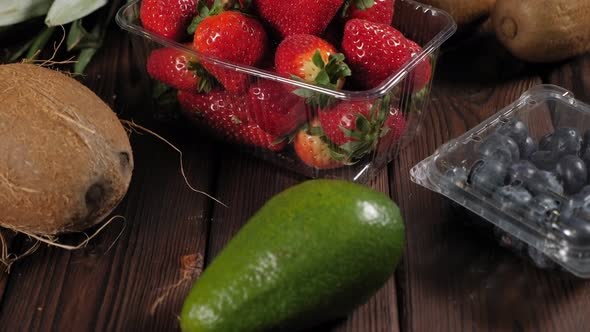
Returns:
(312, 253)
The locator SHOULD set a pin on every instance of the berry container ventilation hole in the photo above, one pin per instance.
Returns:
(522, 176)
(393, 103)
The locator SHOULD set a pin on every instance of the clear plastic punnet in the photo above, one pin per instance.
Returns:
(524, 172)
(394, 103)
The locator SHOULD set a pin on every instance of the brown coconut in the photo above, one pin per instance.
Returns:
(66, 161)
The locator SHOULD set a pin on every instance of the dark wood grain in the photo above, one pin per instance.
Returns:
(573, 75)
(135, 275)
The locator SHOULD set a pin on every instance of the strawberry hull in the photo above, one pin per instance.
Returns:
(298, 125)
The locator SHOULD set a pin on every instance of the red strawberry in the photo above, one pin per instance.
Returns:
(231, 36)
(228, 116)
(167, 18)
(178, 69)
(275, 109)
(378, 11)
(290, 17)
(313, 151)
(396, 128)
(375, 51)
(357, 127)
(312, 59)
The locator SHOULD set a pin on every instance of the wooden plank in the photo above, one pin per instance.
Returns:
(246, 184)
(454, 278)
(573, 75)
(140, 282)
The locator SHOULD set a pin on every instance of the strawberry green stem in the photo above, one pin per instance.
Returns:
(329, 76)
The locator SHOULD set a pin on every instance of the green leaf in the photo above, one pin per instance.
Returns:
(364, 4)
(322, 78)
(39, 42)
(345, 7)
(204, 12)
(351, 146)
(317, 59)
(84, 59)
(384, 108)
(347, 132)
(193, 26)
(362, 124)
(17, 11)
(420, 95)
(337, 68)
(315, 131)
(163, 94)
(20, 51)
(337, 155)
(357, 135)
(296, 78)
(337, 57)
(278, 140)
(79, 38)
(206, 80)
(304, 93)
(66, 11)
(159, 89)
(324, 100)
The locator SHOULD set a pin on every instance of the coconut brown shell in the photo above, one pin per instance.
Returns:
(66, 159)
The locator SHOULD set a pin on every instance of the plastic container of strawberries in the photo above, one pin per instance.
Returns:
(427, 26)
(534, 199)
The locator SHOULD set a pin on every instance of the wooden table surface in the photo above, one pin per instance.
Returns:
(134, 278)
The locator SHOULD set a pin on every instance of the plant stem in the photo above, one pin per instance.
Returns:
(39, 42)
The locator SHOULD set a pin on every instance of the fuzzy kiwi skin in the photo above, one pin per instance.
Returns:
(463, 11)
(543, 30)
(66, 159)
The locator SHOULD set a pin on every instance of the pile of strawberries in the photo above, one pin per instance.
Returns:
(333, 44)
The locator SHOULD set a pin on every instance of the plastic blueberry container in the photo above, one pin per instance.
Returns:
(427, 26)
(525, 209)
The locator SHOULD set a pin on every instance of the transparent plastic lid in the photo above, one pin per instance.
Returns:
(525, 170)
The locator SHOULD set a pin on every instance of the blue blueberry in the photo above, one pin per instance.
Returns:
(545, 142)
(545, 160)
(568, 208)
(515, 129)
(527, 148)
(572, 172)
(543, 210)
(457, 175)
(578, 205)
(520, 172)
(499, 147)
(575, 230)
(583, 194)
(543, 182)
(512, 197)
(487, 175)
(565, 141)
